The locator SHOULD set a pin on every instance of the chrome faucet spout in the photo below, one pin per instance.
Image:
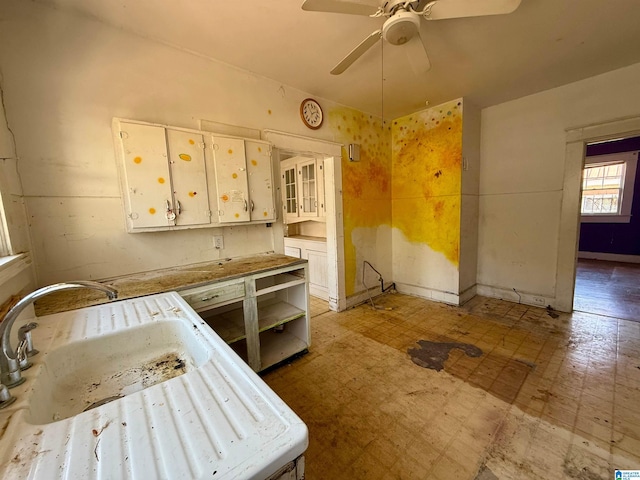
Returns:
(9, 362)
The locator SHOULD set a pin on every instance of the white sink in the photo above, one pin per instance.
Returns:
(85, 374)
(211, 417)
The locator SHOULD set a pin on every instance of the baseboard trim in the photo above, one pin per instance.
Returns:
(535, 300)
(611, 257)
(432, 293)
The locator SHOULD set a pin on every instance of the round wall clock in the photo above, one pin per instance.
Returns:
(311, 113)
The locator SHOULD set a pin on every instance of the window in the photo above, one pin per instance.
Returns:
(607, 187)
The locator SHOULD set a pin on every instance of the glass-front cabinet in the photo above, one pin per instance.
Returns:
(302, 182)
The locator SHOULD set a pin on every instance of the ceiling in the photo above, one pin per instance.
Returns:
(489, 60)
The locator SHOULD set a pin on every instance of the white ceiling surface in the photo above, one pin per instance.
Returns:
(543, 44)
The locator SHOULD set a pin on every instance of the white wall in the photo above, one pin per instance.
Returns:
(65, 77)
(469, 205)
(523, 147)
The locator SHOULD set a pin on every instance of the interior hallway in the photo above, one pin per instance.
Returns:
(608, 288)
(546, 397)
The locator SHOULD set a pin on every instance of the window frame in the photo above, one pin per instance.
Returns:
(630, 160)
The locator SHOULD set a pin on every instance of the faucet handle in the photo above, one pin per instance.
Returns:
(22, 355)
(6, 398)
(24, 333)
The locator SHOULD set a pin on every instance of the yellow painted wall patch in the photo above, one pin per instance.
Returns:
(427, 177)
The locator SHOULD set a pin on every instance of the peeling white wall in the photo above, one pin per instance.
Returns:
(523, 146)
(65, 78)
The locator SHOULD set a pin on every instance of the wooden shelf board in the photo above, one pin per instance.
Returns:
(272, 314)
(275, 347)
(280, 286)
(229, 325)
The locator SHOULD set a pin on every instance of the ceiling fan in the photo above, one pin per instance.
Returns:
(402, 24)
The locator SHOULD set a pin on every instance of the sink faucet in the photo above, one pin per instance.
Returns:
(10, 359)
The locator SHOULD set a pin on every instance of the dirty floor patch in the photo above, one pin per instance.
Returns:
(433, 354)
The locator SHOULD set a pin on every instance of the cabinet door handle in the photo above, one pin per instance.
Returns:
(170, 214)
(246, 206)
(252, 205)
(204, 299)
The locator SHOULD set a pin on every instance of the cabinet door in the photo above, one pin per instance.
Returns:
(147, 179)
(289, 190)
(189, 178)
(260, 180)
(318, 274)
(231, 180)
(307, 185)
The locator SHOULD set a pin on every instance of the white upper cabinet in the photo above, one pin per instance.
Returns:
(188, 178)
(231, 180)
(302, 184)
(244, 180)
(174, 178)
(164, 176)
(147, 182)
(260, 176)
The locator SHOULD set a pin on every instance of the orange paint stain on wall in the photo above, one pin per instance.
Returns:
(230, 152)
(137, 160)
(254, 163)
(234, 175)
(427, 177)
(192, 194)
(366, 185)
(152, 211)
(191, 142)
(160, 180)
(185, 157)
(224, 198)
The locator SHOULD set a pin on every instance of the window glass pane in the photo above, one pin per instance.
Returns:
(602, 189)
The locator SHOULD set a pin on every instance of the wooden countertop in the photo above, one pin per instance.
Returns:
(165, 280)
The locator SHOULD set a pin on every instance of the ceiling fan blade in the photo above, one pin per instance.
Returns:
(416, 51)
(357, 52)
(336, 6)
(442, 9)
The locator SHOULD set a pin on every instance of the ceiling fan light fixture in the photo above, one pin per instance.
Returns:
(401, 28)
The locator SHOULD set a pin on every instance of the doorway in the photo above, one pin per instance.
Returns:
(309, 195)
(608, 263)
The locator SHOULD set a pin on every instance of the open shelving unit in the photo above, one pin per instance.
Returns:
(270, 321)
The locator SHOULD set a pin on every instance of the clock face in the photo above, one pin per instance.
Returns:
(311, 113)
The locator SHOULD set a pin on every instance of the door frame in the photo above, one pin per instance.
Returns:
(569, 234)
(331, 153)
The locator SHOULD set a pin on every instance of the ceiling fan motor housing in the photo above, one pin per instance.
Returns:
(400, 28)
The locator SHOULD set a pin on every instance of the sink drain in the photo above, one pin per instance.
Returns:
(104, 401)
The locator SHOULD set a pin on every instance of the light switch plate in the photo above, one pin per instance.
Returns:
(218, 242)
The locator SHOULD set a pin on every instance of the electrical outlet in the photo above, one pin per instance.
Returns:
(538, 300)
(218, 242)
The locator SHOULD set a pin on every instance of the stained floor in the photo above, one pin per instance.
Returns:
(547, 398)
(608, 288)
